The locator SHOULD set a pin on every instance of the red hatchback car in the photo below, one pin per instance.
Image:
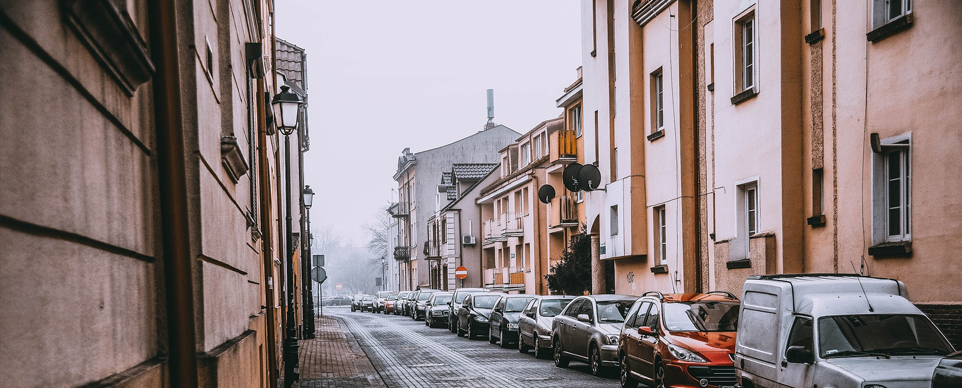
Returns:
(679, 340)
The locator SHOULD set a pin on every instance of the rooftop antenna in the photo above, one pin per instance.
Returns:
(858, 277)
(490, 123)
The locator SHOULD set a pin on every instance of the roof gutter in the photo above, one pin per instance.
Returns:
(490, 197)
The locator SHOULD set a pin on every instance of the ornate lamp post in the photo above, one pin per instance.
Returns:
(383, 280)
(307, 271)
(286, 106)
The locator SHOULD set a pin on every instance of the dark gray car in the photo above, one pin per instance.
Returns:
(474, 313)
(588, 329)
(436, 310)
(534, 326)
(455, 305)
(503, 322)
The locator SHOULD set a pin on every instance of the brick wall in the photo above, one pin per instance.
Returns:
(948, 318)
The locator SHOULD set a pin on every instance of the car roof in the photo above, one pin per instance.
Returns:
(610, 297)
(692, 297)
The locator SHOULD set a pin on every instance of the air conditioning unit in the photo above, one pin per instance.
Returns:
(467, 240)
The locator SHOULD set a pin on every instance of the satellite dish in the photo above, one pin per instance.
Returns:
(570, 177)
(589, 177)
(546, 193)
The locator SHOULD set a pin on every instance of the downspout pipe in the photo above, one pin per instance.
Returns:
(172, 176)
(539, 265)
(267, 238)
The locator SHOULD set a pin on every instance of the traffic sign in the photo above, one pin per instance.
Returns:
(338, 286)
(461, 272)
(319, 274)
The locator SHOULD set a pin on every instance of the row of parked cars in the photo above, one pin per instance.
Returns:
(785, 330)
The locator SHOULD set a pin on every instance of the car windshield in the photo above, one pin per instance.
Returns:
(368, 298)
(872, 335)
(485, 301)
(424, 296)
(515, 305)
(402, 295)
(392, 297)
(552, 307)
(704, 316)
(442, 299)
(613, 311)
(464, 294)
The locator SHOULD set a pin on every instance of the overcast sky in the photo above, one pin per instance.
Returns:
(385, 75)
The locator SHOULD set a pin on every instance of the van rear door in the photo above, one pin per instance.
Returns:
(759, 326)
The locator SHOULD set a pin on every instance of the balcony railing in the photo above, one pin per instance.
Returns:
(489, 277)
(402, 253)
(432, 251)
(567, 144)
(403, 210)
(512, 225)
(493, 231)
(516, 277)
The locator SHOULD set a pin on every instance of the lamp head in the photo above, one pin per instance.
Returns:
(286, 106)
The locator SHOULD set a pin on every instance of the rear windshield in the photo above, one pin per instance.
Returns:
(442, 299)
(464, 294)
(552, 307)
(402, 295)
(424, 296)
(485, 301)
(514, 305)
(871, 335)
(613, 311)
(701, 316)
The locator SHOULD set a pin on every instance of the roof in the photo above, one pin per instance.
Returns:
(611, 297)
(471, 188)
(471, 171)
(291, 60)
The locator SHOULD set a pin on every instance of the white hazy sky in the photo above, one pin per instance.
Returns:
(385, 75)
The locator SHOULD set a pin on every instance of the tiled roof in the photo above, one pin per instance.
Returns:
(472, 171)
(291, 61)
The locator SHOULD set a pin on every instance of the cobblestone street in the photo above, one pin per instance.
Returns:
(406, 353)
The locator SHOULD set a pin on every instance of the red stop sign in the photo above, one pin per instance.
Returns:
(461, 272)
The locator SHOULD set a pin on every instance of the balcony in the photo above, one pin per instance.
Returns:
(567, 144)
(564, 212)
(513, 226)
(489, 277)
(403, 210)
(516, 277)
(402, 253)
(493, 231)
(432, 251)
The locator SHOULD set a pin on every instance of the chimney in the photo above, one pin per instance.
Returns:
(490, 123)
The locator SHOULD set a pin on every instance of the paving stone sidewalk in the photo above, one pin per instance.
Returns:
(334, 359)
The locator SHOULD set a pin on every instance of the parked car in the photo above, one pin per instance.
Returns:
(436, 309)
(534, 325)
(410, 302)
(337, 301)
(367, 303)
(833, 330)
(356, 301)
(399, 305)
(474, 313)
(587, 330)
(455, 305)
(503, 322)
(379, 299)
(419, 307)
(679, 340)
(389, 304)
(948, 373)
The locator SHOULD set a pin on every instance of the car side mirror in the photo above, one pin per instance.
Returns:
(529, 314)
(647, 330)
(584, 318)
(799, 355)
(449, 303)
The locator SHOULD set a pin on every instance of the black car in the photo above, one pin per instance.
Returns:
(337, 301)
(474, 313)
(949, 372)
(419, 305)
(455, 305)
(436, 310)
(503, 322)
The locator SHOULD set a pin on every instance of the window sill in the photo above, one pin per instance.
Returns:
(891, 28)
(815, 36)
(659, 269)
(738, 264)
(891, 249)
(743, 96)
(816, 221)
(656, 135)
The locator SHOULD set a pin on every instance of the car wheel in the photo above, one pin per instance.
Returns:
(659, 375)
(504, 340)
(452, 325)
(470, 332)
(626, 380)
(459, 331)
(559, 359)
(491, 338)
(539, 352)
(522, 347)
(594, 360)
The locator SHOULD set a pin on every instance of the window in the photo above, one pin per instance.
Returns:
(748, 224)
(801, 334)
(892, 191)
(525, 154)
(815, 14)
(657, 101)
(751, 209)
(576, 120)
(579, 196)
(614, 220)
(537, 147)
(661, 239)
(884, 11)
(818, 192)
(745, 52)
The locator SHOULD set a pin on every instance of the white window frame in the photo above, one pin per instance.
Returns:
(537, 147)
(881, 181)
(882, 11)
(614, 220)
(747, 195)
(658, 100)
(525, 154)
(576, 120)
(745, 43)
(661, 234)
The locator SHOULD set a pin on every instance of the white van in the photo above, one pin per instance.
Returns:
(833, 330)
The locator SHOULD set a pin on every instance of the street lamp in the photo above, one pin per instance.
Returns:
(307, 276)
(286, 106)
(383, 280)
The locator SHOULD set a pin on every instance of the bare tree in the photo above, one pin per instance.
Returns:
(379, 231)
